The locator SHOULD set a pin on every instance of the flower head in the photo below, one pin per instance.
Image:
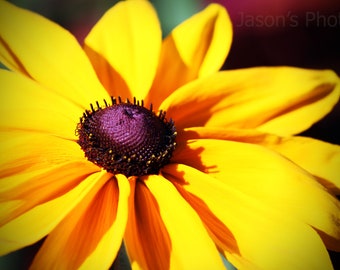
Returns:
(220, 173)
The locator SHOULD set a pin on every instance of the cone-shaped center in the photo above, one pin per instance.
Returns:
(127, 138)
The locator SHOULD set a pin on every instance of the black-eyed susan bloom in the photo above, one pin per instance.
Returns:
(137, 140)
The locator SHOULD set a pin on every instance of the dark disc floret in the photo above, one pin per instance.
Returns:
(126, 137)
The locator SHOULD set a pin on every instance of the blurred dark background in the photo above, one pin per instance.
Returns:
(302, 33)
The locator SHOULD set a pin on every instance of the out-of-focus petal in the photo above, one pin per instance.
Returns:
(124, 47)
(269, 178)
(317, 157)
(76, 241)
(26, 105)
(320, 158)
(195, 48)
(49, 54)
(266, 239)
(36, 223)
(279, 100)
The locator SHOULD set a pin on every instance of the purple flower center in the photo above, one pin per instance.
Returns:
(126, 138)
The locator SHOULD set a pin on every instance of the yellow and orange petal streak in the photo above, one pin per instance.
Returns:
(266, 239)
(191, 245)
(79, 240)
(124, 47)
(42, 219)
(195, 48)
(319, 158)
(147, 240)
(268, 178)
(109, 244)
(42, 50)
(279, 100)
(218, 231)
(29, 189)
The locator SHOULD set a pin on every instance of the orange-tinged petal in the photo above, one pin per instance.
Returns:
(279, 100)
(269, 178)
(147, 240)
(230, 134)
(25, 105)
(108, 247)
(27, 151)
(320, 158)
(266, 239)
(195, 48)
(49, 54)
(42, 219)
(39, 186)
(191, 247)
(76, 241)
(124, 47)
(220, 234)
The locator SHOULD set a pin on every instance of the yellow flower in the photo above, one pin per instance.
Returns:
(239, 183)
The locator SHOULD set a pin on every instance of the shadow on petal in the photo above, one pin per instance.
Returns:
(320, 92)
(113, 82)
(221, 235)
(147, 240)
(76, 238)
(184, 154)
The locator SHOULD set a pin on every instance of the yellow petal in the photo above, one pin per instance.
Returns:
(25, 105)
(319, 158)
(147, 240)
(266, 239)
(195, 48)
(49, 54)
(124, 47)
(268, 177)
(76, 241)
(108, 247)
(42, 219)
(220, 234)
(281, 100)
(40, 185)
(191, 247)
(27, 151)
